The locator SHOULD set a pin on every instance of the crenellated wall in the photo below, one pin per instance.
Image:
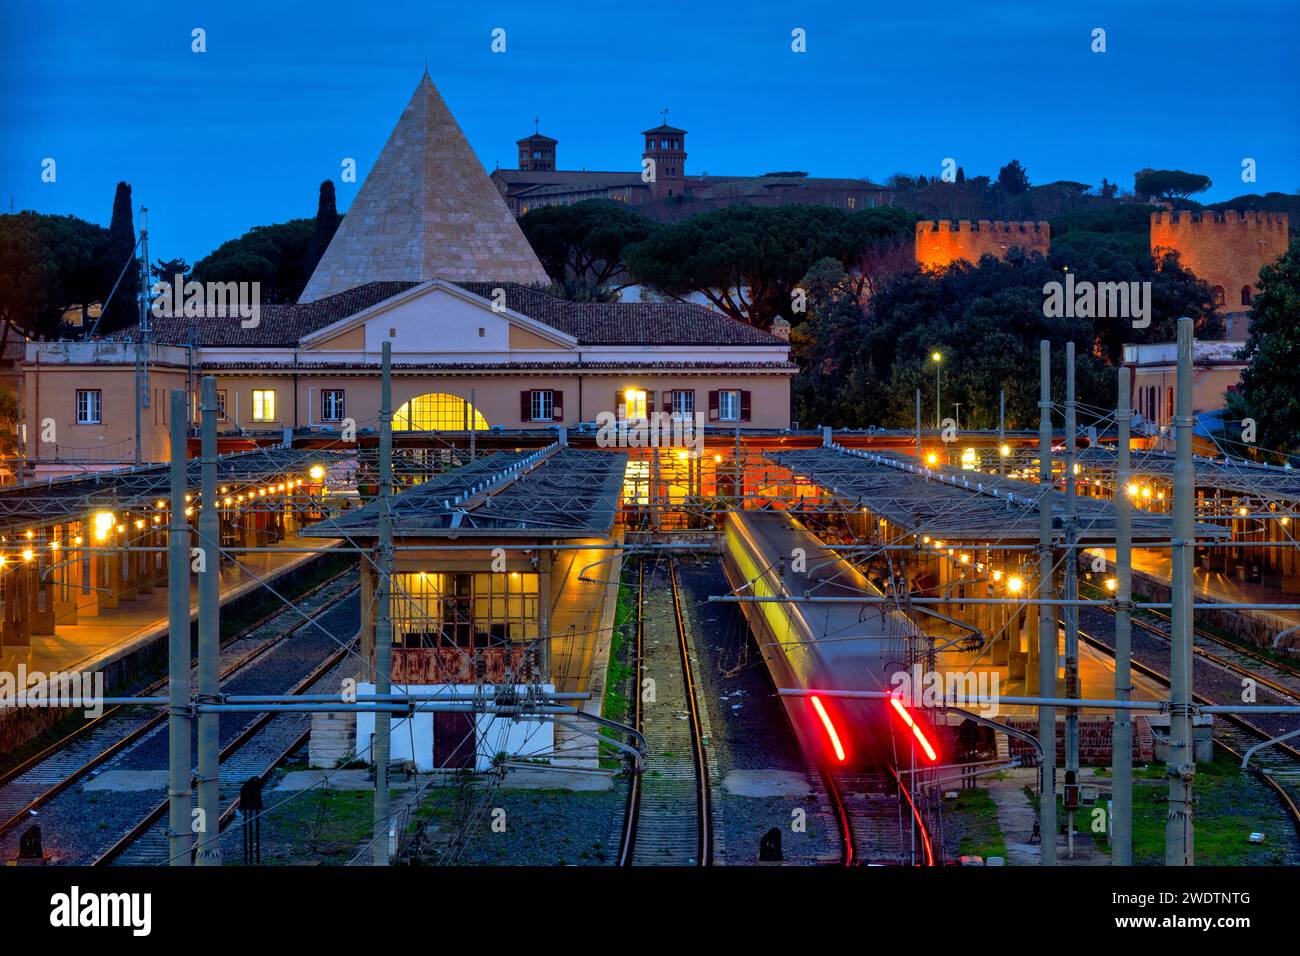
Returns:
(1226, 249)
(943, 243)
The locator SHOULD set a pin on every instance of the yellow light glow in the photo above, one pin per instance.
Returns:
(931, 459)
(77, 541)
(1146, 492)
(161, 504)
(54, 545)
(103, 522)
(30, 535)
(1077, 469)
(926, 539)
(997, 576)
(1286, 520)
(1133, 491)
(936, 357)
(121, 528)
(968, 458)
(1004, 451)
(717, 459)
(965, 559)
(188, 512)
(1015, 584)
(317, 472)
(1111, 584)
(1241, 511)
(27, 554)
(227, 501)
(683, 455)
(139, 525)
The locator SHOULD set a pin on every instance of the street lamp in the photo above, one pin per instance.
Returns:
(937, 359)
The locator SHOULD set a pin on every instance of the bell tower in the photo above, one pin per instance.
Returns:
(537, 152)
(665, 148)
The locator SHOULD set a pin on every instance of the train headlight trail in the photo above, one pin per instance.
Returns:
(830, 727)
(912, 725)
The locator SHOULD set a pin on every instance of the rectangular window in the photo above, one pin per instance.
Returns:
(683, 403)
(263, 404)
(89, 406)
(331, 405)
(729, 405)
(634, 403)
(543, 405)
(221, 405)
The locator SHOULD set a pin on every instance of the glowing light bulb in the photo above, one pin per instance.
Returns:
(1015, 584)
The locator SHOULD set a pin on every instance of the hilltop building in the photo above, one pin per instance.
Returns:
(938, 245)
(662, 188)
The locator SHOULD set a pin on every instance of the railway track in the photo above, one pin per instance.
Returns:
(261, 746)
(1276, 766)
(658, 828)
(76, 821)
(878, 821)
(24, 789)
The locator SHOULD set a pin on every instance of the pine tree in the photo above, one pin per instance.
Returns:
(123, 308)
(327, 221)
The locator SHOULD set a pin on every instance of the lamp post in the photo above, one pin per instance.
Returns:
(937, 359)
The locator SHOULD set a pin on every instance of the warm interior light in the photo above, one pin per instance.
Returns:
(829, 727)
(997, 575)
(1111, 584)
(1015, 584)
(139, 525)
(103, 522)
(914, 727)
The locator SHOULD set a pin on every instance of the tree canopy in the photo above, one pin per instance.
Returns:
(1270, 384)
(861, 365)
(1170, 184)
(583, 243)
(277, 256)
(748, 260)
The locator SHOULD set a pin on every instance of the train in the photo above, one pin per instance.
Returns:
(826, 646)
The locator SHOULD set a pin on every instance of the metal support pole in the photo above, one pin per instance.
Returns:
(179, 794)
(384, 611)
(918, 426)
(1071, 591)
(1121, 853)
(1046, 612)
(1002, 431)
(938, 416)
(1182, 761)
(209, 849)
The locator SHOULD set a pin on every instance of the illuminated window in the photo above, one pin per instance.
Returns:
(464, 610)
(263, 404)
(634, 403)
(89, 406)
(1217, 294)
(636, 482)
(438, 411)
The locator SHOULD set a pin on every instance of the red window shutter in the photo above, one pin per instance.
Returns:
(526, 406)
(713, 405)
(744, 405)
(668, 402)
(557, 406)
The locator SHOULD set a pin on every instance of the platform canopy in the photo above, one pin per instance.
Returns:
(955, 505)
(1249, 479)
(554, 493)
(135, 489)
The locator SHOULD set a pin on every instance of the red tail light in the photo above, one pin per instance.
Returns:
(914, 727)
(830, 728)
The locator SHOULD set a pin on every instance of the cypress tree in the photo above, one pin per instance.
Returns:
(327, 221)
(123, 308)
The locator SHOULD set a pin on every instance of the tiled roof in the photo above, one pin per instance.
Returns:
(505, 367)
(626, 323)
(591, 323)
(278, 325)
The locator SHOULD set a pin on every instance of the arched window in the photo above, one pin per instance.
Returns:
(438, 411)
(1245, 295)
(1217, 295)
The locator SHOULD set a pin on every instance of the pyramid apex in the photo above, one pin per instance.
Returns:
(409, 219)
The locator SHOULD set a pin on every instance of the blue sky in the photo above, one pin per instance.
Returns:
(241, 135)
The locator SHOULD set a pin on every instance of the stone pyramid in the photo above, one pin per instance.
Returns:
(426, 210)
